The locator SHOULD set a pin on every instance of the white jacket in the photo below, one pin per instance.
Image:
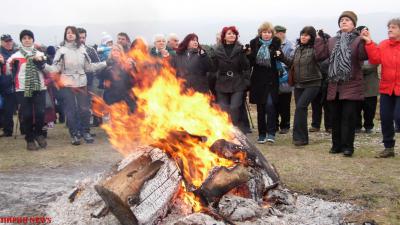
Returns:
(73, 63)
(19, 78)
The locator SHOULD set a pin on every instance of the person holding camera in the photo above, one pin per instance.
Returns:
(264, 85)
(192, 64)
(30, 89)
(160, 48)
(233, 70)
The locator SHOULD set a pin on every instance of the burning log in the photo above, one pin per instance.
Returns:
(221, 181)
(140, 192)
(123, 189)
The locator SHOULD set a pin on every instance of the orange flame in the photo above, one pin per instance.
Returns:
(168, 117)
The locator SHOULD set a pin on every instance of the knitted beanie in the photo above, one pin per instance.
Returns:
(26, 33)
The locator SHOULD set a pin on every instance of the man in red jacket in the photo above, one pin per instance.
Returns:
(387, 53)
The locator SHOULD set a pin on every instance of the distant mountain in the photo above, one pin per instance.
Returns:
(206, 29)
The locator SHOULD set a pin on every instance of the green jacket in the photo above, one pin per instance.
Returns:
(371, 80)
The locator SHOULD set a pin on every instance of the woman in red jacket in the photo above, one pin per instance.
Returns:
(387, 53)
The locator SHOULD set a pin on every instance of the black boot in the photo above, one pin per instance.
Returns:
(75, 140)
(41, 140)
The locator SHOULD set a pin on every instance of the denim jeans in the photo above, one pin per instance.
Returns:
(77, 109)
(390, 112)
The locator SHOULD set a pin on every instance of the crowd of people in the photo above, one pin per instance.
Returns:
(337, 75)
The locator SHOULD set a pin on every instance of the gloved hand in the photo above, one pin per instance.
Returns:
(202, 53)
(39, 63)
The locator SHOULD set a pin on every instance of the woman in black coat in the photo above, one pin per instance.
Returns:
(264, 85)
(232, 68)
(119, 80)
(192, 64)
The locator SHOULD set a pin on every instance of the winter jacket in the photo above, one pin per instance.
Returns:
(233, 71)
(371, 80)
(6, 82)
(193, 68)
(306, 69)
(16, 67)
(156, 53)
(73, 63)
(387, 54)
(118, 84)
(264, 80)
(352, 89)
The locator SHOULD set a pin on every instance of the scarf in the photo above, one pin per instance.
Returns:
(340, 59)
(32, 80)
(263, 57)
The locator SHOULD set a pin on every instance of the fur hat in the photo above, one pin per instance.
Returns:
(349, 14)
(26, 33)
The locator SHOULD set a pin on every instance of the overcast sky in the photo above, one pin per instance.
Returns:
(64, 12)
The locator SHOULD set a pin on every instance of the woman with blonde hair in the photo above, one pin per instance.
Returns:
(264, 84)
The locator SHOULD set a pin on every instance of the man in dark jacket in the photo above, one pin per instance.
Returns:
(92, 80)
(7, 87)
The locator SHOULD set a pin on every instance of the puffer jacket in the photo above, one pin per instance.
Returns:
(387, 54)
(73, 63)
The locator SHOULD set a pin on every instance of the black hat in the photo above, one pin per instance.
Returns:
(279, 28)
(360, 28)
(26, 33)
(6, 37)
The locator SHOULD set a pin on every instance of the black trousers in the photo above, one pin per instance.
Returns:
(10, 105)
(231, 103)
(303, 98)
(32, 109)
(344, 123)
(266, 125)
(317, 105)
(244, 123)
(368, 106)
(283, 110)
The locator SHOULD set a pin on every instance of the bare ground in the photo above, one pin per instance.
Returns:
(30, 180)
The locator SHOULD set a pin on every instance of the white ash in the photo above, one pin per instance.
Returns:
(62, 211)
